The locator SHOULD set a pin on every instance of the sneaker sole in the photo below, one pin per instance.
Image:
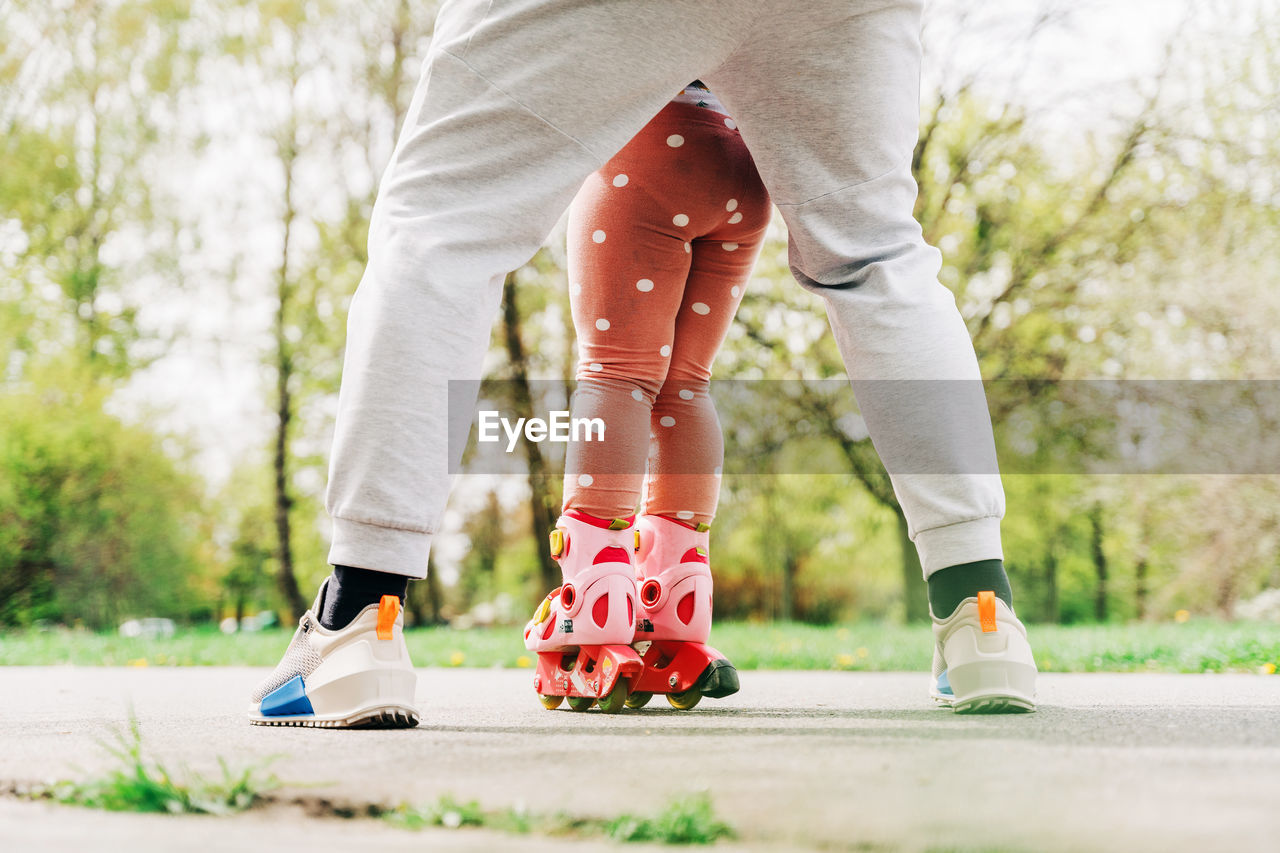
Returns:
(382, 717)
(994, 705)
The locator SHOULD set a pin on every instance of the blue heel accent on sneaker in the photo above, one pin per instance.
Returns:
(287, 700)
(944, 684)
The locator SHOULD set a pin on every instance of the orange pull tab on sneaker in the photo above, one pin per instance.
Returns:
(987, 611)
(388, 610)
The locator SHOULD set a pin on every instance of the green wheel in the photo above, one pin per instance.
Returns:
(551, 702)
(686, 700)
(638, 700)
(580, 703)
(616, 698)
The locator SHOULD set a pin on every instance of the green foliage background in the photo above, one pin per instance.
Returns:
(171, 152)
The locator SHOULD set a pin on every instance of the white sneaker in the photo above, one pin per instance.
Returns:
(359, 676)
(982, 662)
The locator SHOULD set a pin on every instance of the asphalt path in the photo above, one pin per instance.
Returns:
(797, 760)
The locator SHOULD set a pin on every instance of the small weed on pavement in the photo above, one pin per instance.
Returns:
(139, 785)
(691, 820)
(687, 820)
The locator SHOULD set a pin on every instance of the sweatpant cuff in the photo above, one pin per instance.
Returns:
(382, 549)
(953, 544)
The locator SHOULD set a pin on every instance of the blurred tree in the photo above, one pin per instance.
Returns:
(1136, 243)
(87, 104)
(358, 56)
(249, 565)
(486, 535)
(543, 504)
(425, 601)
(97, 522)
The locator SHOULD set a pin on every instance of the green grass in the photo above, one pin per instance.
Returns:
(684, 820)
(691, 820)
(140, 785)
(1193, 646)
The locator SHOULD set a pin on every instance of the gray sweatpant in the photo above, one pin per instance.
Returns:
(520, 100)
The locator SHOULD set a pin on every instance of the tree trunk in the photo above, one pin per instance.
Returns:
(1142, 570)
(1140, 587)
(288, 583)
(869, 470)
(435, 594)
(425, 597)
(1051, 586)
(1099, 563)
(543, 512)
(915, 593)
(790, 569)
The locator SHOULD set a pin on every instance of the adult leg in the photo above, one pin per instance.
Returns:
(519, 102)
(831, 115)
(833, 127)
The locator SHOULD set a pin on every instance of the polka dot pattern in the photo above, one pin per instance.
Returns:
(596, 310)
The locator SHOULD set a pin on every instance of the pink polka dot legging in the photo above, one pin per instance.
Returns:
(661, 244)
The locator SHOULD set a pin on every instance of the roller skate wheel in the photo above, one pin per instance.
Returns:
(551, 702)
(615, 699)
(638, 700)
(581, 703)
(684, 701)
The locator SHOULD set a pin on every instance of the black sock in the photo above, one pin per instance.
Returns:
(352, 590)
(948, 587)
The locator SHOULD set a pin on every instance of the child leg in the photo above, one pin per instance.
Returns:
(687, 449)
(627, 277)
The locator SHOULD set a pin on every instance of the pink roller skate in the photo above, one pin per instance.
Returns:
(583, 629)
(674, 574)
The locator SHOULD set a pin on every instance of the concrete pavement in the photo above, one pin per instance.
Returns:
(796, 760)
